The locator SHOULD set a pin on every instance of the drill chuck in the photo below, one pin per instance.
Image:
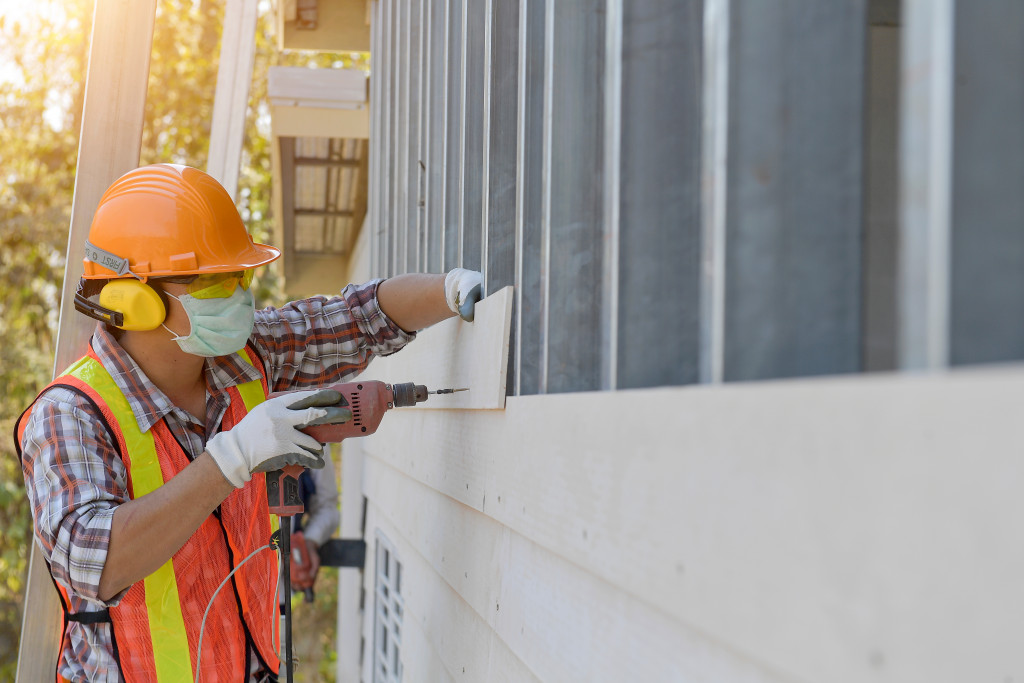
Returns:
(408, 394)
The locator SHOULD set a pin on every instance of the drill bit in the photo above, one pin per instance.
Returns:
(448, 391)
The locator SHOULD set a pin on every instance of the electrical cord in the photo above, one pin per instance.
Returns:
(202, 628)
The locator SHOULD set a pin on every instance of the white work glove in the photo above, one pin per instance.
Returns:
(462, 291)
(268, 438)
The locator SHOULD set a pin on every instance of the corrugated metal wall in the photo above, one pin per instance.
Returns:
(699, 191)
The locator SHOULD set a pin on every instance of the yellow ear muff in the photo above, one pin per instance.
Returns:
(138, 302)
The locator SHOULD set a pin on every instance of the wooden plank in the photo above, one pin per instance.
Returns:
(455, 354)
(109, 144)
(818, 539)
(554, 618)
(231, 98)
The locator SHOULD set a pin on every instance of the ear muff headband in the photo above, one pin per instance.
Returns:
(127, 304)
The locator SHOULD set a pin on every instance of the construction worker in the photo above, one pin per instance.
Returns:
(144, 460)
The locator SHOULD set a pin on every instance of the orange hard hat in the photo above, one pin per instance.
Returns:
(169, 220)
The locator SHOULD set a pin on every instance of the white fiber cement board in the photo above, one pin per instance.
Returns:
(827, 528)
(454, 354)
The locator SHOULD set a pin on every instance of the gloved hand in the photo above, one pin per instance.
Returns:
(462, 291)
(268, 438)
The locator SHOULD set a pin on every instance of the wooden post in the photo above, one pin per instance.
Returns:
(111, 136)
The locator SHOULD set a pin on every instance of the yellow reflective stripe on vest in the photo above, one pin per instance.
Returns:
(251, 392)
(166, 623)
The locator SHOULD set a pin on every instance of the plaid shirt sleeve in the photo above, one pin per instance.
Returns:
(74, 480)
(317, 341)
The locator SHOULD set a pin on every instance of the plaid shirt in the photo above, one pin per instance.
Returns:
(75, 479)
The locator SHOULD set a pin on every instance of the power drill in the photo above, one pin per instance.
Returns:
(368, 402)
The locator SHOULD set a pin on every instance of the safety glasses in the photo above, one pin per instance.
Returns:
(216, 285)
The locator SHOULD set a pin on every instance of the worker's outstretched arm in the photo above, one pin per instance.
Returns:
(419, 300)
(147, 531)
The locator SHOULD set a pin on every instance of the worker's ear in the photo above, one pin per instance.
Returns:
(127, 304)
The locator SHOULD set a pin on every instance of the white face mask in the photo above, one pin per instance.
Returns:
(219, 326)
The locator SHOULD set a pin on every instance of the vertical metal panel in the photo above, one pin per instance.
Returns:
(925, 182)
(659, 209)
(529, 170)
(404, 64)
(411, 151)
(987, 240)
(502, 139)
(881, 231)
(795, 192)
(436, 130)
(472, 128)
(372, 222)
(613, 115)
(389, 143)
(714, 185)
(453, 140)
(575, 230)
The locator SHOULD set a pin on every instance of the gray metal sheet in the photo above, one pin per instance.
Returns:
(881, 232)
(574, 228)
(659, 209)
(529, 196)
(414, 112)
(453, 140)
(435, 147)
(501, 164)
(390, 69)
(471, 223)
(795, 189)
(405, 64)
(987, 255)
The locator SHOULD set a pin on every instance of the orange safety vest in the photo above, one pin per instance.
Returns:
(156, 626)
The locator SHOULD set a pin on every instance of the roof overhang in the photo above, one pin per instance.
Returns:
(320, 129)
(324, 25)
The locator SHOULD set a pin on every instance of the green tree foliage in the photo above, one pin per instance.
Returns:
(41, 91)
(43, 60)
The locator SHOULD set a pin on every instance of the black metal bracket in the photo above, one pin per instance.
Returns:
(343, 552)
